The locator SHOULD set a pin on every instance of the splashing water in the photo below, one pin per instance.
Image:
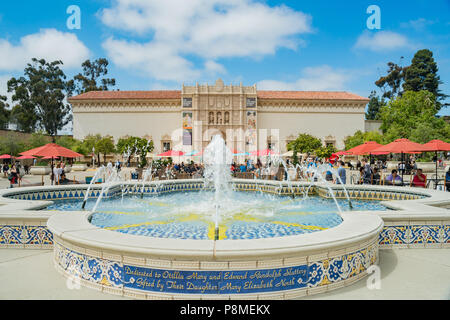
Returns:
(218, 158)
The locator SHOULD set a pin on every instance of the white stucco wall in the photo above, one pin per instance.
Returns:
(321, 125)
(154, 124)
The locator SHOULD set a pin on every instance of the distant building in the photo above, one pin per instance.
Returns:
(373, 125)
(247, 118)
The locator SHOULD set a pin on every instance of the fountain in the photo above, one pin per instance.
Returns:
(218, 158)
(111, 176)
(97, 174)
(174, 232)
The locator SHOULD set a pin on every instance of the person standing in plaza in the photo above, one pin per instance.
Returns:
(447, 180)
(55, 176)
(5, 170)
(13, 176)
(341, 173)
(367, 173)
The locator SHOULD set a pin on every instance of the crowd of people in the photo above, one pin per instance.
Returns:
(58, 174)
(369, 172)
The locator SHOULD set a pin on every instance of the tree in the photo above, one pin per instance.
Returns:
(40, 95)
(37, 139)
(391, 84)
(105, 145)
(422, 75)
(24, 117)
(413, 116)
(88, 80)
(325, 152)
(12, 145)
(360, 137)
(305, 143)
(4, 113)
(135, 146)
(89, 145)
(374, 106)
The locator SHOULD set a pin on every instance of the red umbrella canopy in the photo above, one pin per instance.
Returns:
(5, 156)
(365, 148)
(25, 157)
(264, 152)
(171, 153)
(31, 151)
(341, 153)
(52, 150)
(435, 145)
(399, 146)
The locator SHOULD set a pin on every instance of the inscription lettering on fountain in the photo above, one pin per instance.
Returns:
(215, 282)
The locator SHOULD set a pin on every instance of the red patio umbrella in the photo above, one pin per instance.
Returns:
(52, 150)
(435, 145)
(31, 151)
(342, 153)
(171, 153)
(25, 157)
(399, 146)
(265, 152)
(5, 156)
(366, 148)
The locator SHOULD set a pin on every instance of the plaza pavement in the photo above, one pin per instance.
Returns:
(405, 273)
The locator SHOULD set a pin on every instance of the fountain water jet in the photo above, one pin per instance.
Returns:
(218, 158)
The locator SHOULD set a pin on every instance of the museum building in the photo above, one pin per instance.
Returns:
(247, 118)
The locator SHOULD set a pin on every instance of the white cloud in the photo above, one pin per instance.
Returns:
(382, 41)
(418, 24)
(321, 78)
(156, 59)
(213, 67)
(49, 44)
(209, 29)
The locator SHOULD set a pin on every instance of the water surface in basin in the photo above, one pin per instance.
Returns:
(189, 215)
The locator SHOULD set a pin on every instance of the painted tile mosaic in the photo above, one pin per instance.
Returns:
(129, 277)
(25, 235)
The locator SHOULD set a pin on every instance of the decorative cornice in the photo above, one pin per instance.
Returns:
(127, 106)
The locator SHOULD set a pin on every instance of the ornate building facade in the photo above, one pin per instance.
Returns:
(247, 118)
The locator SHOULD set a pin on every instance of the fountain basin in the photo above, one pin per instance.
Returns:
(284, 267)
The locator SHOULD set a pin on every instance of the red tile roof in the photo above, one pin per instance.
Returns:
(309, 95)
(176, 94)
(120, 95)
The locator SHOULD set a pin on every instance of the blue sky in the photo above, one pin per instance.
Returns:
(279, 45)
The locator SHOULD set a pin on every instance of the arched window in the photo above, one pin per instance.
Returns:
(211, 118)
(219, 117)
(227, 118)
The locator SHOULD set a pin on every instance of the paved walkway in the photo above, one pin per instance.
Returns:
(405, 274)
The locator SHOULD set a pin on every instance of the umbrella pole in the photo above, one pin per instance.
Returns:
(436, 182)
(403, 167)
